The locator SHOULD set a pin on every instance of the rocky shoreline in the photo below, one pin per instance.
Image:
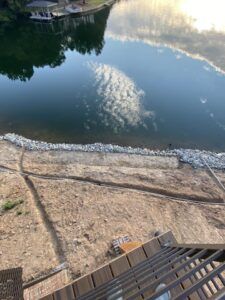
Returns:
(196, 158)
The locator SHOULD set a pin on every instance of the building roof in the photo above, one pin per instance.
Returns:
(41, 3)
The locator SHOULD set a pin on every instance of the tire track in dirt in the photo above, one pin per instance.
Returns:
(55, 241)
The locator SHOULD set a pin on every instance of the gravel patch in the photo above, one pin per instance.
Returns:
(196, 158)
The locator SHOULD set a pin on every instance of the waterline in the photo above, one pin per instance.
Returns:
(196, 158)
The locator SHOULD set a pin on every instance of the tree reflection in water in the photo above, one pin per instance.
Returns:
(27, 45)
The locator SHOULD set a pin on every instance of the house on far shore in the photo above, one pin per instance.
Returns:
(42, 10)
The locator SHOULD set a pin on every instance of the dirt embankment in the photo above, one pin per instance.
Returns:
(70, 205)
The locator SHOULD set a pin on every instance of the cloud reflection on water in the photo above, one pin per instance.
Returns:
(121, 100)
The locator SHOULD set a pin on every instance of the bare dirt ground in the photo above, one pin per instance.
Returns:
(156, 174)
(23, 238)
(74, 204)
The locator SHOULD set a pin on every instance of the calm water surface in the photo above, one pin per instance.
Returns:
(142, 73)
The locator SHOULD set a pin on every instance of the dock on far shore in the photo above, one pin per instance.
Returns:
(47, 10)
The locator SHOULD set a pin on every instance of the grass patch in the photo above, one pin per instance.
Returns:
(95, 2)
(10, 204)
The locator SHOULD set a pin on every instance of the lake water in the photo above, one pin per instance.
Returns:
(144, 73)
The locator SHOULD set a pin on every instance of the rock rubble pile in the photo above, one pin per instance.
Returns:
(196, 158)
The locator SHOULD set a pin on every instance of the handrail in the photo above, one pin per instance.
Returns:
(40, 279)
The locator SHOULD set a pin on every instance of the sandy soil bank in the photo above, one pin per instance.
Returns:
(74, 204)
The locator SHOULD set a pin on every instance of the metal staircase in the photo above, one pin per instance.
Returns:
(187, 273)
(159, 269)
